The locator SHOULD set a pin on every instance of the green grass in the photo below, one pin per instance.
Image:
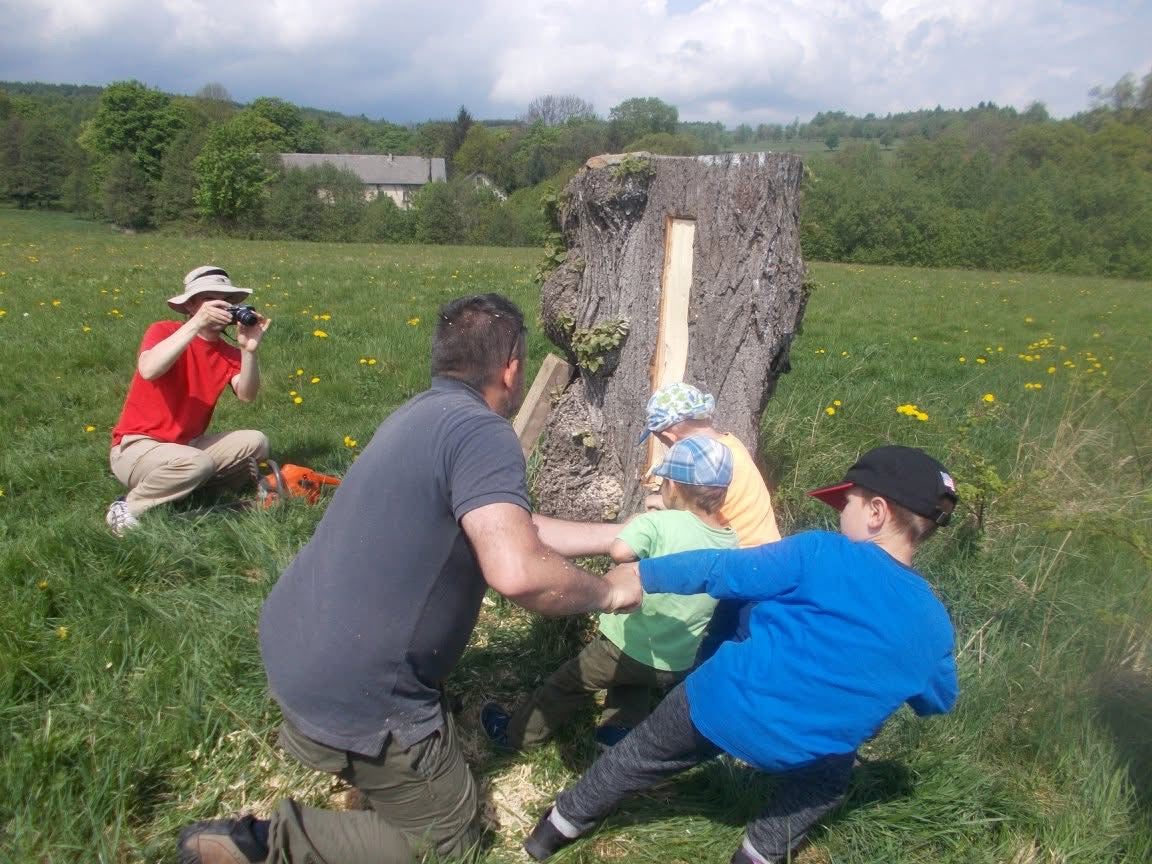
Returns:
(131, 692)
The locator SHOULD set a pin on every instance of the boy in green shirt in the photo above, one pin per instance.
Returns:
(654, 647)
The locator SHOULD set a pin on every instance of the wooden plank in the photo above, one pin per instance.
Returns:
(671, 357)
(529, 421)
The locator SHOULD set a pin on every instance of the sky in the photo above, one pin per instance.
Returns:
(735, 61)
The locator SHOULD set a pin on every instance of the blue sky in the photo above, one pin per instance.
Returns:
(730, 60)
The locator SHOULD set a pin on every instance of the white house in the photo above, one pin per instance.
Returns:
(395, 176)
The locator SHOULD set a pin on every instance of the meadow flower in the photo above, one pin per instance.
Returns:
(325, 317)
(319, 334)
(412, 322)
(299, 371)
(42, 584)
(836, 402)
(85, 329)
(61, 632)
(55, 302)
(89, 428)
(297, 400)
(3, 312)
(349, 441)
(1033, 386)
(1028, 320)
(963, 359)
(371, 361)
(1051, 370)
(989, 397)
(315, 379)
(829, 410)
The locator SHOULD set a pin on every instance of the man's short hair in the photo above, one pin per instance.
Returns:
(476, 338)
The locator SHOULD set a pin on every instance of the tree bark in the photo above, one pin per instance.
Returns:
(747, 299)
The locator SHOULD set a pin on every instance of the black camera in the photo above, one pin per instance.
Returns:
(245, 315)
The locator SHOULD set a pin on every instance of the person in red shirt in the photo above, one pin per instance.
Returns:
(159, 449)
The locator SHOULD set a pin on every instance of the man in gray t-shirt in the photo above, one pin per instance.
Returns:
(376, 610)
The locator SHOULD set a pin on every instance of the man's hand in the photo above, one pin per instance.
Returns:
(212, 315)
(248, 336)
(625, 592)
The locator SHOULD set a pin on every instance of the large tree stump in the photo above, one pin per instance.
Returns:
(716, 237)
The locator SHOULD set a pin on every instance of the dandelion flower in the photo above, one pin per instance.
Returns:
(55, 302)
(1051, 370)
(989, 397)
(963, 359)
(412, 322)
(42, 584)
(836, 402)
(297, 400)
(319, 334)
(349, 441)
(291, 392)
(920, 415)
(981, 360)
(325, 317)
(829, 410)
(299, 371)
(61, 632)
(371, 361)
(1028, 320)
(363, 360)
(315, 379)
(89, 428)
(85, 329)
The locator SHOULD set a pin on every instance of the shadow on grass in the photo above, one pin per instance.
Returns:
(1124, 697)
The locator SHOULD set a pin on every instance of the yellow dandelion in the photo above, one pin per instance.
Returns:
(61, 632)
(349, 441)
(325, 317)
(836, 402)
(85, 329)
(989, 397)
(55, 302)
(42, 584)
(371, 361)
(1028, 320)
(297, 400)
(963, 359)
(315, 379)
(3, 312)
(981, 360)
(920, 415)
(412, 322)
(829, 410)
(843, 353)
(319, 334)
(89, 428)
(363, 360)
(299, 371)
(1051, 370)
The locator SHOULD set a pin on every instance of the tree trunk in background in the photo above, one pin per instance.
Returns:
(746, 301)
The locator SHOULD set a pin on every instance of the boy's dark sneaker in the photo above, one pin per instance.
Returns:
(608, 737)
(546, 839)
(224, 841)
(494, 720)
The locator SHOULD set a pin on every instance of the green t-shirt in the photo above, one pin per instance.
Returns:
(665, 632)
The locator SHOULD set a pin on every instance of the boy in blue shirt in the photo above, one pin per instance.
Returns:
(845, 632)
(652, 648)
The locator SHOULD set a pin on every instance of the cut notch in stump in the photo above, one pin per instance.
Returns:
(533, 414)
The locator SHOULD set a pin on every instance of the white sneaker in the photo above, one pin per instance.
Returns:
(119, 519)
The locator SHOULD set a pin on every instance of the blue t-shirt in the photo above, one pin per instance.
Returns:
(843, 635)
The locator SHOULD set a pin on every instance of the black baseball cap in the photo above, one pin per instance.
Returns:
(906, 475)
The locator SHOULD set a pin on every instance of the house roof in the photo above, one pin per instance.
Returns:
(377, 169)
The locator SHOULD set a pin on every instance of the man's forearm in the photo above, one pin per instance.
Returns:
(554, 586)
(576, 539)
(160, 357)
(248, 381)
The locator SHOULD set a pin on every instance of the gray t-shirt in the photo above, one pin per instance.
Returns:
(377, 609)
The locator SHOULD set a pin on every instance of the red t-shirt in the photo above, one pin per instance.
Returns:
(177, 406)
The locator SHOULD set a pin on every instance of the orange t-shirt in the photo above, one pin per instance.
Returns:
(748, 505)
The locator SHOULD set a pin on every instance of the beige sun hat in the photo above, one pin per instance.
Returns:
(204, 279)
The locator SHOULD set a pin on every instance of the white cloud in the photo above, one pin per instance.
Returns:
(729, 60)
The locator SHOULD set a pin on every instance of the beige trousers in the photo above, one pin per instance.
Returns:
(155, 472)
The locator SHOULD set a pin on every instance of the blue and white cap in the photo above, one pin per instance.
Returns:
(697, 461)
(675, 403)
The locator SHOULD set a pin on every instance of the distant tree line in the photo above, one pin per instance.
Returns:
(986, 187)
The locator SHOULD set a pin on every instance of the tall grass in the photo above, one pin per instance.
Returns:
(131, 692)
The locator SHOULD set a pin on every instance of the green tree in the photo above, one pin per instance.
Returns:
(832, 141)
(126, 196)
(636, 117)
(137, 120)
(457, 133)
(175, 195)
(558, 110)
(437, 214)
(235, 165)
(33, 160)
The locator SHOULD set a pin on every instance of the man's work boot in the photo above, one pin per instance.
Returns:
(224, 841)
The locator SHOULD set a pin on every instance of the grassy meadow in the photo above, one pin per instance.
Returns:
(132, 696)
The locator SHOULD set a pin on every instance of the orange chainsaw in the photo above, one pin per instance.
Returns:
(292, 481)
